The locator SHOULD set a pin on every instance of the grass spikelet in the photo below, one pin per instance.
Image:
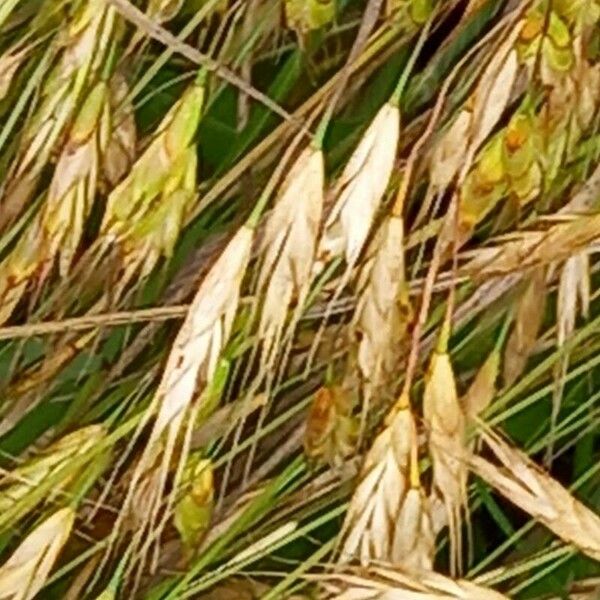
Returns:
(523, 483)
(289, 246)
(191, 364)
(446, 425)
(25, 573)
(121, 146)
(573, 291)
(331, 430)
(361, 187)
(80, 61)
(56, 231)
(194, 509)
(387, 584)
(388, 518)
(528, 320)
(16, 484)
(146, 211)
(10, 61)
(378, 316)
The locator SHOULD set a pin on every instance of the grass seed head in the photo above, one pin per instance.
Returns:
(361, 187)
(289, 245)
(387, 519)
(16, 484)
(446, 425)
(384, 583)
(192, 363)
(379, 316)
(523, 483)
(528, 321)
(573, 291)
(25, 573)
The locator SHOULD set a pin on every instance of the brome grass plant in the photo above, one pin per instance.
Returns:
(299, 299)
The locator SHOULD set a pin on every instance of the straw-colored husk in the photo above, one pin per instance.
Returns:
(25, 573)
(523, 483)
(289, 246)
(378, 316)
(388, 517)
(446, 425)
(361, 187)
(387, 584)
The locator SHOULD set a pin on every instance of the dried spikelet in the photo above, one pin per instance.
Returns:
(163, 10)
(16, 484)
(493, 93)
(449, 152)
(522, 482)
(289, 246)
(528, 320)
(446, 425)
(482, 390)
(24, 574)
(146, 211)
(573, 290)
(56, 231)
(361, 187)
(331, 430)
(388, 517)
(122, 142)
(378, 317)
(387, 584)
(10, 62)
(85, 47)
(192, 363)
(536, 248)
(73, 186)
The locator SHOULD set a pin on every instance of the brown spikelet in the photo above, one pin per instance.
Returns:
(388, 517)
(361, 187)
(378, 318)
(387, 584)
(522, 482)
(331, 430)
(528, 320)
(446, 425)
(289, 246)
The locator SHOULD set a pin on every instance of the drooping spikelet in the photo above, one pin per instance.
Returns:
(24, 574)
(388, 584)
(361, 187)
(446, 426)
(145, 212)
(289, 246)
(191, 364)
(378, 317)
(573, 290)
(522, 482)
(528, 321)
(120, 150)
(16, 484)
(56, 231)
(388, 518)
(88, 36)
